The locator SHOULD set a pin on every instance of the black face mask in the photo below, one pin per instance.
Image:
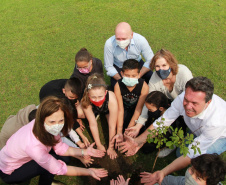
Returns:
(154, 115)
(72, 102)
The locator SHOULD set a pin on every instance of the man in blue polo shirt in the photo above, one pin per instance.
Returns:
(126, 44)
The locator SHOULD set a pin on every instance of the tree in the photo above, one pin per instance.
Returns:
(158, 136)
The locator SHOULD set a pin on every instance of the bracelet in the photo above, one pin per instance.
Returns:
(82, 152)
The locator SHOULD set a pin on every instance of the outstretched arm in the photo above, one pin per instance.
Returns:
(94, 172)
(140, 104)
(112, 119)
(120, 113)
(93, 127)
(158, 176)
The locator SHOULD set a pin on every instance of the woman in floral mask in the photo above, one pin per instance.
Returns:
(98, 100)
(27, 153)
(86, 65)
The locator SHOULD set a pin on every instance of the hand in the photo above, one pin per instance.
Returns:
(82, 127)
(98, 173)
(120, 181)
(86, 141)
(101, 147)
(152, 178)
(118, 138)
(132, 131)
(86, 160)
(81, 145)
(130, 146)
(112, 153)
(94, 152)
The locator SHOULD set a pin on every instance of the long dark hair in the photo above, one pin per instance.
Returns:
(48, 106)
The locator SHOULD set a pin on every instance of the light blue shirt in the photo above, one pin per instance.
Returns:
(113, 54)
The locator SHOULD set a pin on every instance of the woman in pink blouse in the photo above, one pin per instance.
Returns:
(26, 153)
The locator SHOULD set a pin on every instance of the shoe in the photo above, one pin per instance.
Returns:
(166, 151)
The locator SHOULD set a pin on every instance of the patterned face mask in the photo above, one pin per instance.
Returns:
(163, 74)
(54, 129)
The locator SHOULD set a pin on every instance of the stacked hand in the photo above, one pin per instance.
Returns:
(132, 131)
(152, 178)
(94, 152)
(120, 181)
(98, 173)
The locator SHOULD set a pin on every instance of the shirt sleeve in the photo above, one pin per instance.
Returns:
(40, 154)
(144, 116)
(74, 136)
(172, 113)
(146, 51)
(205, 140)
(109, 58)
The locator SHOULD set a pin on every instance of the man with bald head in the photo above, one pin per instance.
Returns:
(126, 44)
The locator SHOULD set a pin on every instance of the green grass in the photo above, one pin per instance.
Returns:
(39, 39)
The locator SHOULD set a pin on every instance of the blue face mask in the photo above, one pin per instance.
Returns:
(163, 74)
(130, 81)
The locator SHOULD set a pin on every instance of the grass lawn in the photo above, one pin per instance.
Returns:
(39, 39)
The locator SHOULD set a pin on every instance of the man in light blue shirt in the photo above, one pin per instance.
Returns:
(126, 44)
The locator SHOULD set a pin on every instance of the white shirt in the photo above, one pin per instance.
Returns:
(208, 127)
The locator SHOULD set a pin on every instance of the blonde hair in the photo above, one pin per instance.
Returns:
(94, 81)
(169, 57)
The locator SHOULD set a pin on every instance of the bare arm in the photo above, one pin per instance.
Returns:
(143, 71)
(93, 124)
(140, 104)
(95, 173)
(120, 108)
(117, 76)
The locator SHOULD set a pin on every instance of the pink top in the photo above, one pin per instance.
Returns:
(23, 147)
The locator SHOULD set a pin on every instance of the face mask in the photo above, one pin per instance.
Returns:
(123, 43)
(98, 103)
(154, 115)
(130, 81)
(163, 74)
(54, 129)
(73, 102)
(85, 70)
(189, 180)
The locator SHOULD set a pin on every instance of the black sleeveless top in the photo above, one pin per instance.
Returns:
(130, 99)
(103, 109)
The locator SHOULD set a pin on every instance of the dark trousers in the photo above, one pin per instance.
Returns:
(31, 169)
(146, 76)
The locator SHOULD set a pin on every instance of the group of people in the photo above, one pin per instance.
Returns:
(40, 139)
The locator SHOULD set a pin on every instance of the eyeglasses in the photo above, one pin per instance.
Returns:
(89, 64)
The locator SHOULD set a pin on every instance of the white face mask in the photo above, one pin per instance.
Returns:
(54, 129)
(123, 43)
